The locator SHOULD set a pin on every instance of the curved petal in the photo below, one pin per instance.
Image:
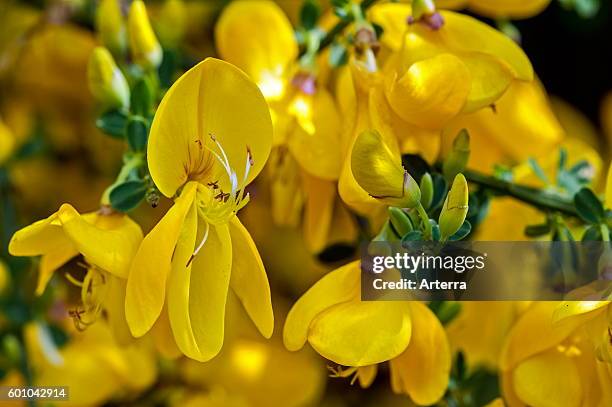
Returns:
(209, 283)
(109, 244)
(392, 18)
(358, 333)
(465, 33)
(257, 37)
(567, 309)
(508, 8)
(249, 280)
(52, 260)
(431, 91)
(40, 237)
(213, 99)
(548, 379)
(422, 371)
(146, 285)
(338, 286)
(318, 147)
(490, 79)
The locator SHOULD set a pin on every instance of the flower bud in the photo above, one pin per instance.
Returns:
(458, 157)
(455, 208)
(427, 190)
(106, 82)
(422, 8)
(111, 27)
(171, 22)
(144, 47)
(400, 221)
(378, 171)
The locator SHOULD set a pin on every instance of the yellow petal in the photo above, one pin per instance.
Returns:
(257, 37)
(319, 207)
(206, 101)
(144, 46)
(51, 261)
(568, 309)
(114, 305)
(366, 375)
(422, 370)
(147, 279)
(338, 286)
(179, 281)
(319, 151)
(535, 332)
(549, 379)
(208, 291)
(490, 79)
(357, 333)
(392, 17)
(110, 244)
(249, 280)
(431, 91)
(38, 238)
(608, 199)
(464, 33)
(285, 188)
(508, 8)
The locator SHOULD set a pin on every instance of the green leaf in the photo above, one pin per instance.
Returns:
(141, 102)
(537, 230)
(400, 221)
(440, 188)
(435, 230)
(446, 311)
(137, 133)
(112, 123)
(338, 55)
(415, 235)
(589, 207)
(309, 14)
(463, 231)
(592, 234)
(128, 195)
(539, 172)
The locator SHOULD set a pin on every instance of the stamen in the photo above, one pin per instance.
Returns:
(197, 250)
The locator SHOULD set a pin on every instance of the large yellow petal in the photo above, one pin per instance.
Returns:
(392, 18)
(508, 8)
(110, 244)
(338, 286)
(258, 37)
(213, 99)
(210, 278)
(422, 370)
(318, 149)
(318, 211)
(249, 280)
(51, 261)
(550, 379)
(38, 238)
(147, 279)
(608, 199)
(490, 79)
(431, 91)
(361, 333)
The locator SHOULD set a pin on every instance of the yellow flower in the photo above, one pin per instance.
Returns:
(548, 363)
(499, 9)
(171, 23)
(144, 47)
(92, 365)
(461, 67)
(110, 26)
(201, 154)
(7, 142)
(455, 208)
(347, 331)
(257, 37)
(106, 82)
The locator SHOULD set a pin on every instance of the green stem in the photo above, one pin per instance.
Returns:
(341, 25)
(424, 219)
(532, 196)
(605, 232)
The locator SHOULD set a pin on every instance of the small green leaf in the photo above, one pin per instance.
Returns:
(435, 230)
(128, 195)
(400, 221)
(427, 190)
(463, 231)
(309, 14)
(538, 171)
(537, 230)
(141, 102)
(415, 235)
(338, 55)
(589, 207)
(112, 123)
(137, 133)
(447, 311)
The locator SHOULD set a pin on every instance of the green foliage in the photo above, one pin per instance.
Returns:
(113, 123)
(309, 14)
(589, 207)
(141, 102)
(137, 133)
(338, 55)
(126, 196)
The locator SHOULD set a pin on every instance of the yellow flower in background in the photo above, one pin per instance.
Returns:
(5, 277)
(515, 9)
(107, 242)
(92, 365)
(144, 47)
(171, 22)
(460, 67)
(210, 137)
(548, 363)
(110, 26)
(305, 163)
(331, 317)
(7, 142)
